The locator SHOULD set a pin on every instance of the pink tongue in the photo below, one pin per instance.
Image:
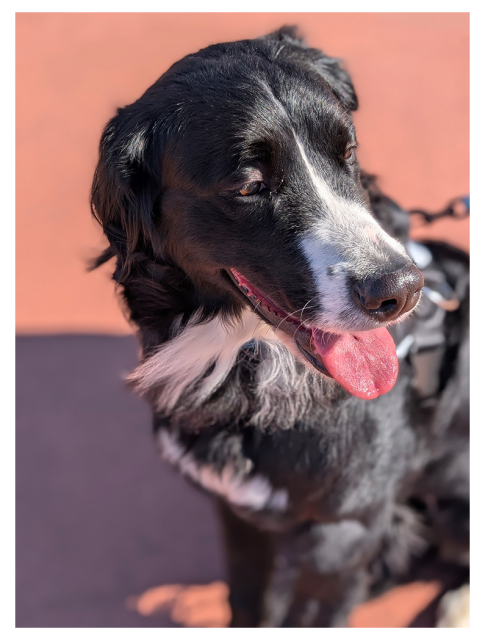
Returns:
(365, 364)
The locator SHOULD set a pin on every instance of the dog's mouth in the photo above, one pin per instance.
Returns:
(364, 363)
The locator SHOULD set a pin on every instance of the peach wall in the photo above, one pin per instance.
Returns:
(411, 72)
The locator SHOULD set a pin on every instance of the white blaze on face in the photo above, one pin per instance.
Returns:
(345, 240)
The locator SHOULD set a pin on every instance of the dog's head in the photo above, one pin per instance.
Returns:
(237, 168)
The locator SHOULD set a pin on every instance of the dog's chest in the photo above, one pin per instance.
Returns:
(287, 476)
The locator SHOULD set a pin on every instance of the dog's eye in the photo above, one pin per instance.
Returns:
(349, 153)
(252, 188)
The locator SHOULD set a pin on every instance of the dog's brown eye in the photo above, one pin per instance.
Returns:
(349, 153)
(252, 188)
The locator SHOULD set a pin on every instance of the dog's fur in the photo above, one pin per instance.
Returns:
(319, 489)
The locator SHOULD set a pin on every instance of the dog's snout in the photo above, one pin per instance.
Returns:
(389, 296)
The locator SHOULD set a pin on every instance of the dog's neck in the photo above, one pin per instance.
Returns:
(199, 364)
(197, 358)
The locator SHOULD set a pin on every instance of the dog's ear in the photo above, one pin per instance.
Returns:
(337, 77)
(287, 33)
(329, 68)
(127, 186)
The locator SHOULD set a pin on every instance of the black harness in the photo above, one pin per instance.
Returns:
(422, 338)
(424, 342)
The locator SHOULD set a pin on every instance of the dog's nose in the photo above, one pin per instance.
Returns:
(389, 296)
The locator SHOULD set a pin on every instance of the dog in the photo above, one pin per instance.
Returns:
(264, 273)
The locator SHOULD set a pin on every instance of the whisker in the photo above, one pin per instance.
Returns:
(291, 314)
(288, 315)
(301, 312)
(267, 296)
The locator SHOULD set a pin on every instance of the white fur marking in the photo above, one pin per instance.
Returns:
(344, 216)
(346, 239)
(180, 362)
(254, 492)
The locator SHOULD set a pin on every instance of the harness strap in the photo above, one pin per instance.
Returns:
(425, 343)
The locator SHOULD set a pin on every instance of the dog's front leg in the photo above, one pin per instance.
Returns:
(325, 600)
(332, 578)
(249, 561)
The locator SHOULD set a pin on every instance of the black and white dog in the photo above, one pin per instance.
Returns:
(262, 270)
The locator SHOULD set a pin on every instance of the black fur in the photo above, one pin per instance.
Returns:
(369, 483)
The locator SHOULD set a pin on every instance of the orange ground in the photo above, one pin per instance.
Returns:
(207, 605)
(411, 73)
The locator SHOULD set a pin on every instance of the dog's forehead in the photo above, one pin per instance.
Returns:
(229, 114)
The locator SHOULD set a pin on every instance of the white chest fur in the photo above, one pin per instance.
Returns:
(243, 490)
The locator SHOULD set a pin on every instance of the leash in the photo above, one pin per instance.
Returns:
(458, 208)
